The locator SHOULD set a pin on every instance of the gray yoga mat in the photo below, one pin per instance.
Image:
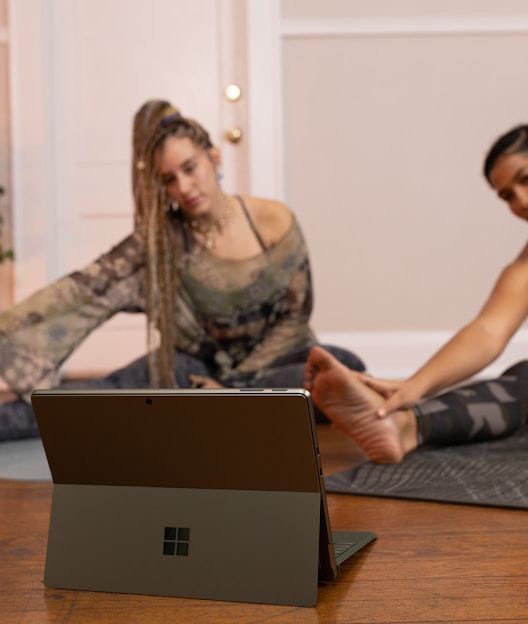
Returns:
(24, 460)
(486, 473)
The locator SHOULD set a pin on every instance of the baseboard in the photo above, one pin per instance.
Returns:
(390, 354)
(397, 354)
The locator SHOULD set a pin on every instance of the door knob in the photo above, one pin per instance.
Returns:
(234, 134)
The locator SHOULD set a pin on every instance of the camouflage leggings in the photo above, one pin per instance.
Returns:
(476, 412)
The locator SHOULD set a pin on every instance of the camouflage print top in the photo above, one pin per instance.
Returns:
(239, 316)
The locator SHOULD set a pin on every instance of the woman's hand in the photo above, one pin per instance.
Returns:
(398, 395)
(198, 381)
(385, 387)
(390, 390)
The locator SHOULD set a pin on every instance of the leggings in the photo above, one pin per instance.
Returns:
(17, 419)
(476, 412)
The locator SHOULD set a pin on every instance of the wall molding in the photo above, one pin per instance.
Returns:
(264, 67)
(34, 112)
(397, 354)
(391, 355)
(405, 26)
(267, 31)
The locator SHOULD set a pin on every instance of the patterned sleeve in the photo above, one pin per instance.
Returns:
(40, 332)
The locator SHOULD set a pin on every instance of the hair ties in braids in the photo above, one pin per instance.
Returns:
(170, 118)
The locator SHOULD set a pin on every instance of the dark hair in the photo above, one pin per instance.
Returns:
(513, 142)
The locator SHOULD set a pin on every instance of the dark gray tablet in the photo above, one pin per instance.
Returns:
(213, 494)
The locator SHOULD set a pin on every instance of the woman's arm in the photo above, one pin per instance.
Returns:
(40, 332)
(476, 345)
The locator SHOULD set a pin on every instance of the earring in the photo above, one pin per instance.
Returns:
(220, 176)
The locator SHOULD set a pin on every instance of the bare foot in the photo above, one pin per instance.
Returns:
(351, 405)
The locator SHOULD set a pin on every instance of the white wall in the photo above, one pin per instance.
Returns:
(388, 109)
(371, 120)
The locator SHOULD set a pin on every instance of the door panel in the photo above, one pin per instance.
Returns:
(393, 144)
(389, 117)
(101, 60)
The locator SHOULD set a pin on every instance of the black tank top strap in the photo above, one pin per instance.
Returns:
(250, 221)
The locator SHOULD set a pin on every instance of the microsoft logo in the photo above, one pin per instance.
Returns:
(176, 541)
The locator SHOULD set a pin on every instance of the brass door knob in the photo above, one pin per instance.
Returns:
(234, 134)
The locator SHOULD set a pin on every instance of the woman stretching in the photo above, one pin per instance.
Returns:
(223, 280)
(389, 418)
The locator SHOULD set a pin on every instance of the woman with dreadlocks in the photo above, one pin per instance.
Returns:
(224, 282)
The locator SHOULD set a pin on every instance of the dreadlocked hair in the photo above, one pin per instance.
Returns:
(153, 123)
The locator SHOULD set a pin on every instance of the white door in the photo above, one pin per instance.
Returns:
(81, 69)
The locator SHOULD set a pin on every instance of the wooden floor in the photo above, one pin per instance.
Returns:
(432, 562)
